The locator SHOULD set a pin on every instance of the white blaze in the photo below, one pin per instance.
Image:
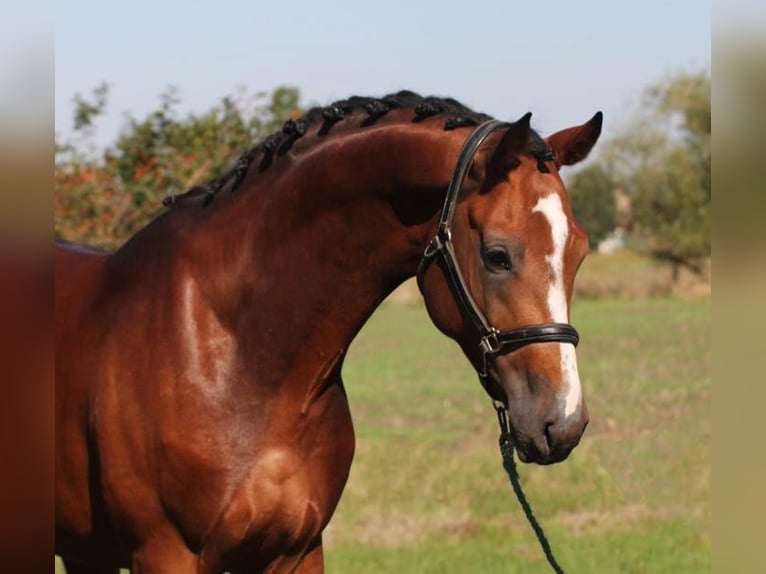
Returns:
(550, 206)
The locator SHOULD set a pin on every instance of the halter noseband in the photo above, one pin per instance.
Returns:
(492, 341)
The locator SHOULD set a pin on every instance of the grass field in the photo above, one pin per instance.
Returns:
(427, 491)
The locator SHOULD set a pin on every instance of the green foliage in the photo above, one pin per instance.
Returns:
(663, 160)
(85, 111)
(106, 197)
(672, 209)
(591, 193)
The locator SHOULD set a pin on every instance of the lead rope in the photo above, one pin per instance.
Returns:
(509, 464)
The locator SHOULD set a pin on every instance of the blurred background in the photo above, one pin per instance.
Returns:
(152, 99)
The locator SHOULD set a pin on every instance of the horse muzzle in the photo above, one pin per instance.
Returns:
(542, 430)
(552, 444)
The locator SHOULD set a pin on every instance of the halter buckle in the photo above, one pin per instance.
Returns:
(437, 243)
(489, 343)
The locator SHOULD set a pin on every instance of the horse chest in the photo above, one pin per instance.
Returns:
(292, 488)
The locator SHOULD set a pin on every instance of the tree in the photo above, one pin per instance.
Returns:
(106, 197)
(591, 193)
(663, 159)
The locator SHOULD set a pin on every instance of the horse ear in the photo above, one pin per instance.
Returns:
(513, 141)
(572, 145)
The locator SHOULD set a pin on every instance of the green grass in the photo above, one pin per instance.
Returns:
(427, 491)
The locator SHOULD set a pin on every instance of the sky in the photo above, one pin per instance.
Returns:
(561, 60)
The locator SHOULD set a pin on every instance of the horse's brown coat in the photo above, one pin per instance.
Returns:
(202, 424)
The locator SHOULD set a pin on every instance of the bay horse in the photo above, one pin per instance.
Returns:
(201, 419)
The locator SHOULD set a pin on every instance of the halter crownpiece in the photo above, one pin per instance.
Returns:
(492, 342)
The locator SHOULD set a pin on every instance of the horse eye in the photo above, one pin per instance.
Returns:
(497, 260)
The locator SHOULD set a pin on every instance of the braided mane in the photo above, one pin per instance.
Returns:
(279, 143)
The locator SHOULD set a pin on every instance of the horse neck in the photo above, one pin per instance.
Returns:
(315, 243)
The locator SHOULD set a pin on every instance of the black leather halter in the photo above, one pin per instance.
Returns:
(492, 341)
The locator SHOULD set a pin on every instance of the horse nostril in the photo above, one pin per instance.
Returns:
(547, 434)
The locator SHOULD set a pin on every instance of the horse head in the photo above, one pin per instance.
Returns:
(516, 246)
